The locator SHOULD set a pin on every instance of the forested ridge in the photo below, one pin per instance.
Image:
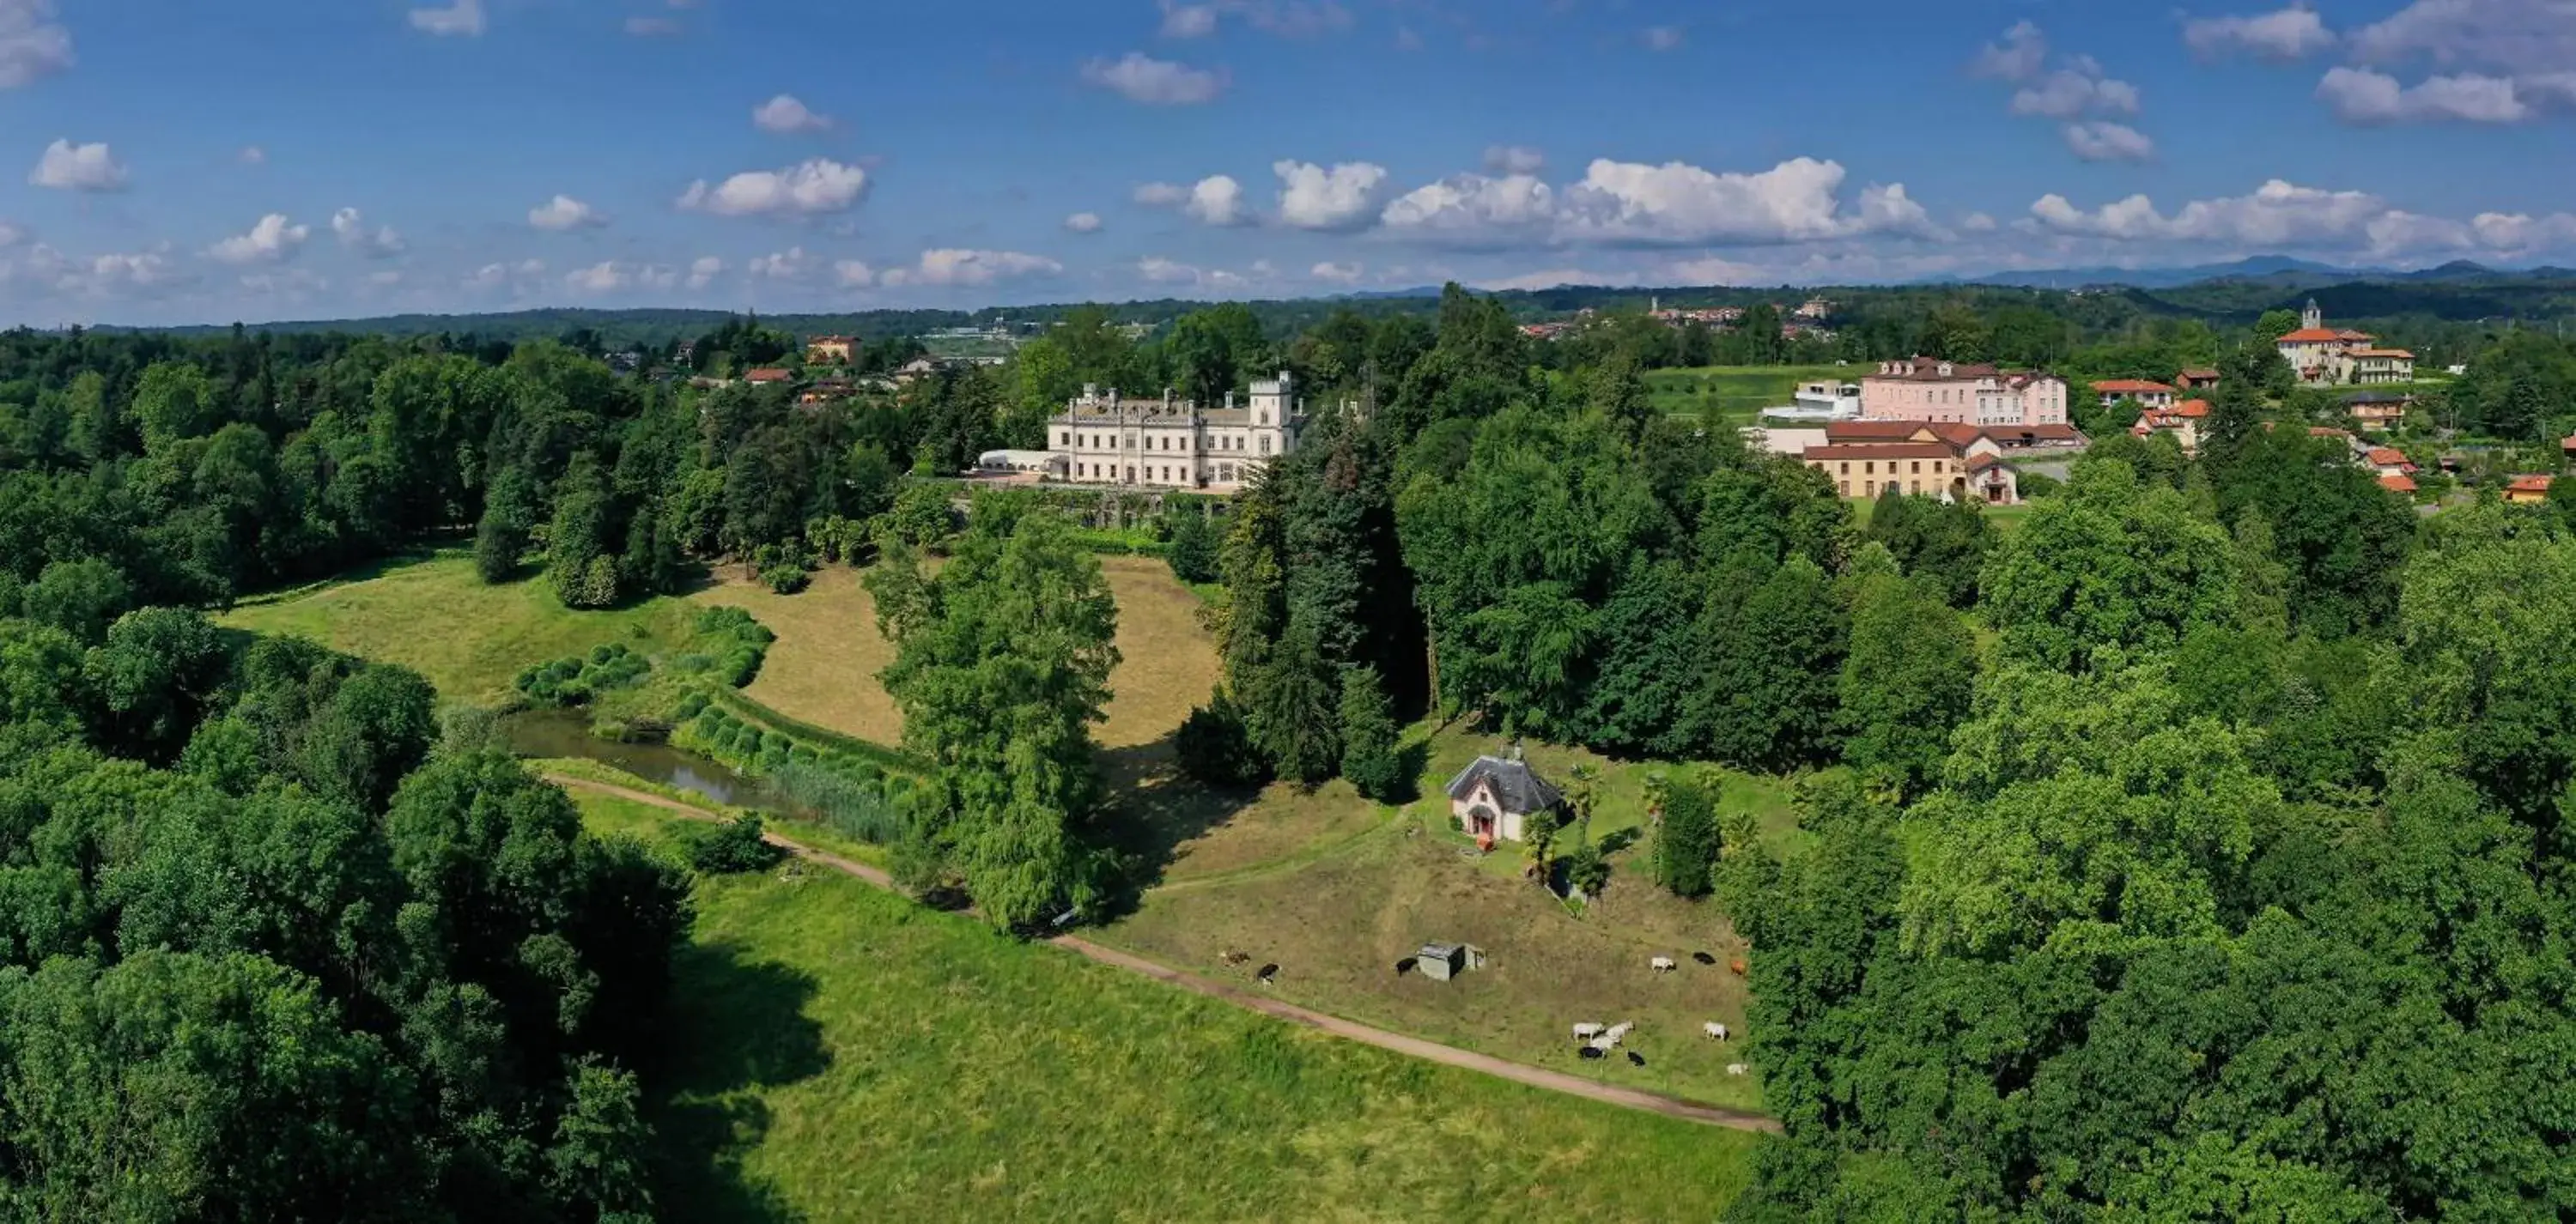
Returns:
(2197, 848)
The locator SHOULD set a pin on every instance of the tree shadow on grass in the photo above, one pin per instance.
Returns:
(735, 1026)
(1153, 810)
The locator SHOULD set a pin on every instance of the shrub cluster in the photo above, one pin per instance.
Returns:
(576, 680)
(729, 643)
(730, 848)
(853, 795)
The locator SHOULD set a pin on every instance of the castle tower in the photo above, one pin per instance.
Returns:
(2312, 318)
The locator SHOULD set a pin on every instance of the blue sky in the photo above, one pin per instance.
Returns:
(187, 162)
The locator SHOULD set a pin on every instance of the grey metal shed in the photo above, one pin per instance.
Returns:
(1442, 961)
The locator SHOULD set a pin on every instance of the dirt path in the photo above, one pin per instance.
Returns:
(1536, 1077)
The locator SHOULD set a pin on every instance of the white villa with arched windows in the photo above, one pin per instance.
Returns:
(1104, 438)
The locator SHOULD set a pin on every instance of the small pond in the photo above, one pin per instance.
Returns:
(566, 733)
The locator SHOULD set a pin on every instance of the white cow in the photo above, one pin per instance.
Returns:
(1586, 1032)
(1736, 1068)
(1618, 1032)
(1604, 1043)
(1716, 1030)
(1661, 964)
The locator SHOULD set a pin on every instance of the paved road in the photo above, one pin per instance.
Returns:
(1537, 1077)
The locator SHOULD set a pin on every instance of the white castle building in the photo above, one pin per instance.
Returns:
(1175, 444)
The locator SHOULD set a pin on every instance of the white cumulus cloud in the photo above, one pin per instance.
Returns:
(377, 243)
(617, 276)
(1142, 78)
(1161, 195)
(11, 235)
(2288, 34)
(1346, 197)
(69, 167)
(1216, 200)
(1082, 223)
(2101, 140)
(2363, 96)
(272, 240)
(1338, 273)
(853, 274)
(33, 45)
(565, 213)
(462, 18)
(785, 115)
(955, 267)
(792, 264)
(1188, 20)
(812, 187)
(2280, 214)
(704, 271)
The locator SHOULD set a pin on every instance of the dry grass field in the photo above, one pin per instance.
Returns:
(823, 668)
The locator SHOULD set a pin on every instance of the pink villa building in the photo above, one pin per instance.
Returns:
(1953, 393)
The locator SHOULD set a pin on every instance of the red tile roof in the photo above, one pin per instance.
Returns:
(2529, 484)
(2125, 386)
(766, 375)
(1955, 433)
(1882, 450)
(2401, 354)
(2388, 455)
(2192, 408)
(2397, 484)
(2200, 376)
(2319, 335)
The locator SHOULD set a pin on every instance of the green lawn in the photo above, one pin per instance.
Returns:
(439, 619)
(1740, 393)
(835, 1052)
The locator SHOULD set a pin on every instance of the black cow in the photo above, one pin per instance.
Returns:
(1636, 1059)
(1590, 1052)
(1267, 972)
(1404, 966)
(1703, 958)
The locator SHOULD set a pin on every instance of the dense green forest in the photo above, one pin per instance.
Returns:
(2198, 848)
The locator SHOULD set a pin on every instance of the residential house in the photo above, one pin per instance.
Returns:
(825, 391)
(2378, 411)
(1953, 462)
(2323, 356)
(1956, 393)
(2389, 461)
(2148, 394)
(2197, 380)
(831, 350)
(1493, 798)
(915, 370)
(2183, 421)
(2527, 490)
(768, 376)
(2398, 484)
(1105, 438)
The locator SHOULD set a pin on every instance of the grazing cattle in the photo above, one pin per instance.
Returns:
(1267, 972)
(1736, 966)
(1716, 1030)
(1636, 1059)
(1586, 1032)
(1661, 964)
(1703, 958)
(1590, 1052)
(1404, 966)
(1618, 1032)
(1736, 1068)
(1604, 1043)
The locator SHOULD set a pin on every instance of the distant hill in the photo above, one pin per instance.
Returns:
(2258, 267)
